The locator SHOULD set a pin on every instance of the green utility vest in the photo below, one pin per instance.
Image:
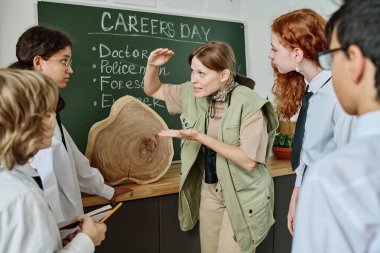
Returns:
(248, 195)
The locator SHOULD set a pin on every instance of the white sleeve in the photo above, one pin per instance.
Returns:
(90, 179)
(29, 226)
(320, 224)
(81, 243)
(343, 125)
(300, 171)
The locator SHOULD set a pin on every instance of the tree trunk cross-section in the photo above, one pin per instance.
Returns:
(125, 146)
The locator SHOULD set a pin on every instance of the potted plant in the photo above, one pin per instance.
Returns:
(282, 146)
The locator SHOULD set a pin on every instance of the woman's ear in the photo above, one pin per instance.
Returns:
(356, 61)
(37, 63)
(225, 75)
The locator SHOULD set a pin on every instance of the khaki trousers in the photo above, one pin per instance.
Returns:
(216, 234)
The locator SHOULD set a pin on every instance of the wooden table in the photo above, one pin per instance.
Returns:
(169, 184)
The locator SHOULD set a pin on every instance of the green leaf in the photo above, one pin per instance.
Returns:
(282, 141)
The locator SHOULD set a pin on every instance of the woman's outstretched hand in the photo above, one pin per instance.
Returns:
(159, 57)
(188, 134)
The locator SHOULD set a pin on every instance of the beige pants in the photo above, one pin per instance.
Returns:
(215, 229)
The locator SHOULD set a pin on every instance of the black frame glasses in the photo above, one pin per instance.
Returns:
(325, 57)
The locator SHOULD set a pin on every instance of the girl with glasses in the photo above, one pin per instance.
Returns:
(64, 170)
(296, 38)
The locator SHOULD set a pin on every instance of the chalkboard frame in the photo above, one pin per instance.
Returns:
(75, 117)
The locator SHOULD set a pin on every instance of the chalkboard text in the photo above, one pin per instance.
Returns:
(108, 82)
(133, 24)
(143, 26)
(122, 67)
(105, 51)
(107, 100)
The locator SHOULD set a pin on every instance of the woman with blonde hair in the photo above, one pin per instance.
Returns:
(27, 123)
(227, 132)
(301, 84)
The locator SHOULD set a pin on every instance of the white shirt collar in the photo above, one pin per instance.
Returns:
(26, 169)
(318, 81)
(367, 124)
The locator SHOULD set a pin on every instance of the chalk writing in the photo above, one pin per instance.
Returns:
(105, 51)
(108, 99)
(110, 51)
(119, 71)
(134, 25)
(108, 82)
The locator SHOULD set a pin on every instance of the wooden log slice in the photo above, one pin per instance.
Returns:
(125, 146)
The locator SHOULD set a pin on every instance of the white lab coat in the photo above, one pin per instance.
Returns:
(64, 174)
(26, 223)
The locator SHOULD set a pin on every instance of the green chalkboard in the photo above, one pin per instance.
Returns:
(110, 49)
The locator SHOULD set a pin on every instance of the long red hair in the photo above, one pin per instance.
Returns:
(304, 29)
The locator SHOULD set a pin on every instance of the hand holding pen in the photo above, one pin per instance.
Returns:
(95, 230)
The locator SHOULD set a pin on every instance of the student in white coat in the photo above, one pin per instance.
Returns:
(64, 170)
(27, 122)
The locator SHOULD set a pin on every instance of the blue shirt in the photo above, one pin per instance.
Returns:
(339, 205)
(327, 126)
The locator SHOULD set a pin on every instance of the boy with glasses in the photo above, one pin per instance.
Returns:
(339, 207)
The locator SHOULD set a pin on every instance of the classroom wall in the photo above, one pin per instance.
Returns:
(17, 15)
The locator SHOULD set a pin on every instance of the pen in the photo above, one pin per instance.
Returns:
(110, 213)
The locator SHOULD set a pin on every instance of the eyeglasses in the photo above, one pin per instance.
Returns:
(66, 62)
(325, 57)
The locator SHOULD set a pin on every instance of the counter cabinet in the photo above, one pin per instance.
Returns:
(148, 223)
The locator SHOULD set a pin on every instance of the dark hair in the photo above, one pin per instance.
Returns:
(218, 56)
(243, 80)
(39, 41)
(358, 23)
(302, 28)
